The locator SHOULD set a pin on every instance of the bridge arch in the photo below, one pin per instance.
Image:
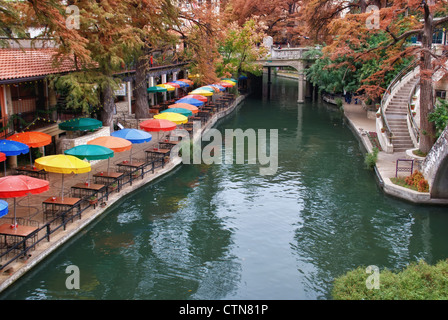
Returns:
(289, 57)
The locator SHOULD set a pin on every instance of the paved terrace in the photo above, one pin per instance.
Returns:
(30, 207)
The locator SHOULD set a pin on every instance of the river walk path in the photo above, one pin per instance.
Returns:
(30, 207)
(386, 165)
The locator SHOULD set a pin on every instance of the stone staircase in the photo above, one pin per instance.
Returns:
(396, 114)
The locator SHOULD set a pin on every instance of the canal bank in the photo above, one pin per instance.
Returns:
(385, 167)
(17, 269)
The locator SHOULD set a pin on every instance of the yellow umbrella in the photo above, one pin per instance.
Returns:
(177, 118)
(202, 92)
(229, 81)
(166, 86)
(62, 163)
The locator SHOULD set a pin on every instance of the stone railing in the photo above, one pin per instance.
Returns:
(287, 53)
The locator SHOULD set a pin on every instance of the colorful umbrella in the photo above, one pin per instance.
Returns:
(182, 84)
(173, 84)
(61, 163)
(196, 96)
(3, 208)
(182, 111)
(20, 186)
(171, 116)
(80, 124)
(187, 106)
(33, 139)
(229, 82)
(90, 152)
(12, 148)
(230, 79)
(114, 143)
(2, 157)
(156, 89)
(220, 88)
(188, 81)
(226, 84)
(133, 136)
(166, 86)
(192, 101)
(202, 92)
(155, 125)
(209, 88)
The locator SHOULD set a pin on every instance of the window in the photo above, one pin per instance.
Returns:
(441, 94)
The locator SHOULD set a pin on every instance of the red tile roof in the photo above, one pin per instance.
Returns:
(25, 63)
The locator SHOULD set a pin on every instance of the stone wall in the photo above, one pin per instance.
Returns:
(436, 160)
(68, 143)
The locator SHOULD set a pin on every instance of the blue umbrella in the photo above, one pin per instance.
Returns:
(193, 101)
(221, 88)
(133, 135)
(181, 83)
(12, 148)
(3, 208)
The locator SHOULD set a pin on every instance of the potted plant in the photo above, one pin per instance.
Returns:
(412, 106)
(378, 114)
(93, 200)
(135, 175)
(414, 113)
(166, 159)
(414, 98)
(383, 130)
(113, 186)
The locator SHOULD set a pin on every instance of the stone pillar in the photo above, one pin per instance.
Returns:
(301, 83)
(151, 84)
(164, 81)
(129, 96)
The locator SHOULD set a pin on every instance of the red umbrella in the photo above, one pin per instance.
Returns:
(19, 186)
(158, 125)
(2, 157)
(197, 97)
(175, 85)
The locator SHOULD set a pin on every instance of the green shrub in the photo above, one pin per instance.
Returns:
(418, 281)
(371, 158)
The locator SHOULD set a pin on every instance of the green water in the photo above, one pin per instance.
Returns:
(227, 232)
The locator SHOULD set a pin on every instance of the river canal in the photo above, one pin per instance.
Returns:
(224, 231)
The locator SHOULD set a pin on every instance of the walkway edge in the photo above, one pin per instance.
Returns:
(78, 225)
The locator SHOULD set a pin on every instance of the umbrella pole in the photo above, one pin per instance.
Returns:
(108, 165)
(15, 220)
(62, 189)
(31, 159)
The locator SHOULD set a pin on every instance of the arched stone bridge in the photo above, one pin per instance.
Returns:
(289, 57)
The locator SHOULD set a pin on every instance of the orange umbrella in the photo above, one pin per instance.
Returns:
(187, 106)
(33, 139)
(114, 143)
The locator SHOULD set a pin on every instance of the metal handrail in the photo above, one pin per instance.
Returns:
(389, 90)
(414, 125)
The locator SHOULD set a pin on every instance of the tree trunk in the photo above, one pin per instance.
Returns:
(427, 129)
(107, 115)
(141, 94)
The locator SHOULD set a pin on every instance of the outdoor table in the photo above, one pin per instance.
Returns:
(31, 171)
(55, 206)
(88, 189)
(20, 232)
(156, 154)
(131, 166)
(108, 178)
(168, 144)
